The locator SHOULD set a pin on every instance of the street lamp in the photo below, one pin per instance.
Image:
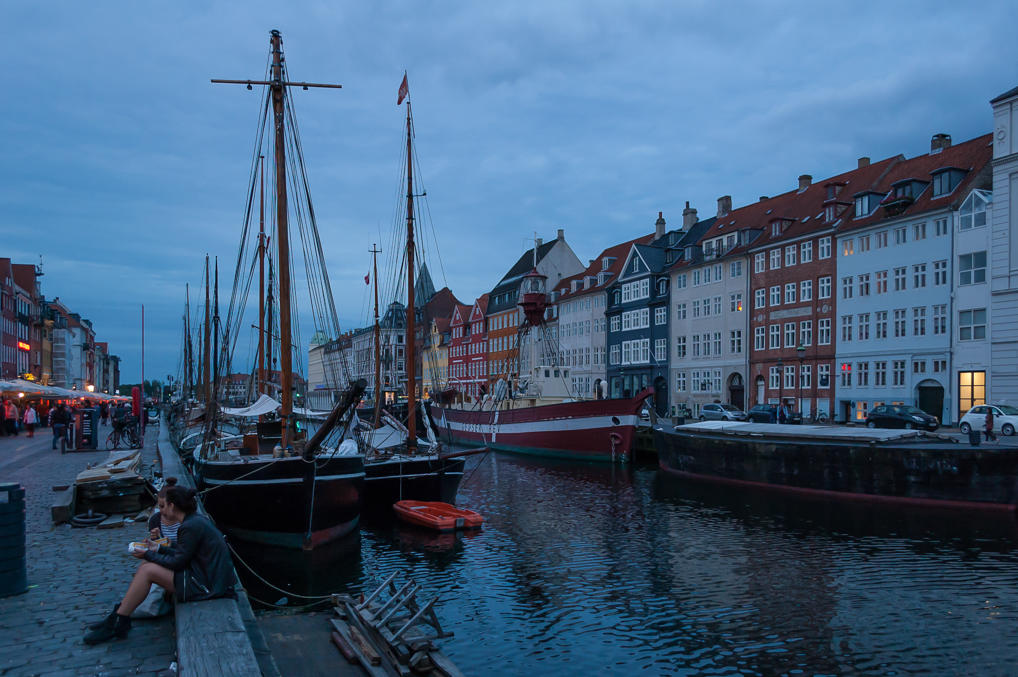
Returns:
(801, 351)
(781, 381)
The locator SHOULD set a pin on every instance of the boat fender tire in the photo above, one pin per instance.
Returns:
(86, 520)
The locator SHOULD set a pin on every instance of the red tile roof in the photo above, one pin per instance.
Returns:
(618, 252)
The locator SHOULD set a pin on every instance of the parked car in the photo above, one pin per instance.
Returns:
(152, 415)
(1005, 419)
(900, 416)
(768, 413)
(722, 412)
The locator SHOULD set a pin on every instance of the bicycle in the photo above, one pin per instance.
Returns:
(126, 432)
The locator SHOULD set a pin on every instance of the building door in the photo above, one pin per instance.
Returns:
(971, 390)
(661, 396)
(930, 398)
(760, 390)
(736, 391)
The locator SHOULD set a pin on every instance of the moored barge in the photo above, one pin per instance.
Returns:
(900, 466)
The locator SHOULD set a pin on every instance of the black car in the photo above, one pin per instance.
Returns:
(900, 416)
(768, 413)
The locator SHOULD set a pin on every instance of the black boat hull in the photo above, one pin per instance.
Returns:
(425, 478)
(284, 502)
(931, 473)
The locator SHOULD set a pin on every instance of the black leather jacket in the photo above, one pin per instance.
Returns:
(200, 561)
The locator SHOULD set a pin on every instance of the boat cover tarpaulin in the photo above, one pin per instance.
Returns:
(263, 405)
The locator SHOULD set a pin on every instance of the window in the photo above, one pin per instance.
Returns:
(823, 376)
(806, 333)
(940, 225)
(696, 277)
(717, 305)
(862, 371)
(881, 324)
(972, 268)
(806, 252)
(718, 272)
(846, 287)
(900, 235)
(759, 338)
(696, 308)
(973, 211)
(735, 341)
(660, 350)
(680, 347)
(825, 248)
(971, 390)
(939, 273)
(825, 287)
(824, 332)
(660, 315)
(680, 381)
(760, 298)
(898, 367)
(789, 376)
(735, 269)
(864, 284)
(806, 376)
(776, 295)
(846, 327)
(918, 366)
(864, 326)
(696, 345)
(680, 311)
(864, 243)
(613, 355)
(846, 375)
(705, 342)
(919, 275)
(790, 289)
(717, 343)
(939, 366)
(775, 334)
(972, 324)
(775, 259)
(759, 262)
(919, 231)
(774, 378)
(881, 239)
(789, 334)
(806, 290)
(616, 323)
(880, 374)
(680, 281)
(847, 247)
(790, 255)
(940, 319)
(899, 279)
(919, 321)
(735, 302)
(899, 322)
(881, 281)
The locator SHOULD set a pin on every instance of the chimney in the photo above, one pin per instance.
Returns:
(659, 225)
(724, 205)
(688, 217)
(764, 197)
(864, 161)
(540, 241)
(561, 234)
(939, 142)
(804, 181)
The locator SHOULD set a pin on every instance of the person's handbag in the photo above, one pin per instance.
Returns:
(154, 605)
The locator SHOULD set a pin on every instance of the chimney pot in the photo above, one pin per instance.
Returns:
(561, 234)
(804, 181)
(939, 142)
(864, 161)
(540, 241)
(659, 226)
(724, 205)
(689, 218)
(763, 197)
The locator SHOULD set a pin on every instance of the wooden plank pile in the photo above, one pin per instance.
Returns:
(114, 486)
(390, 634)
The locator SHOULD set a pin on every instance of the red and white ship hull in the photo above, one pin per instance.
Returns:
(588, 430)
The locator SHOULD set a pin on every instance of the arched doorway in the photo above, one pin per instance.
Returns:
(661, 395)
(930, 398)
(759, 390)
(736, 391)
(598, 395)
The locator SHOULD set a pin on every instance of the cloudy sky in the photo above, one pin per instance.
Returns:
(122, 165)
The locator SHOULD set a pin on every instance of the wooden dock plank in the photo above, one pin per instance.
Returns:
(62, 509)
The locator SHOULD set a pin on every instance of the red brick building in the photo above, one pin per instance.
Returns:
(459, 339)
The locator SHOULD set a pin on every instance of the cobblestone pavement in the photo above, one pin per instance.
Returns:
(76, 576)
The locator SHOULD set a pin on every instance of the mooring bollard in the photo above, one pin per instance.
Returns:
(13, 573)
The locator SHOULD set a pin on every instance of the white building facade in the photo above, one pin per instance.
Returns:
(1002, 380)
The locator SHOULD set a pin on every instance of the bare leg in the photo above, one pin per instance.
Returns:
(147, 574)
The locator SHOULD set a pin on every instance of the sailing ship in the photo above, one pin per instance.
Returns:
(398, 465)
(537, 414)
(274, 485)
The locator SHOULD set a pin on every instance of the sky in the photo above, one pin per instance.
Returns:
(123, 166)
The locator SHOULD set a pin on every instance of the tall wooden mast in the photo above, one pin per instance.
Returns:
(208, 338)
(260, 385)
(375, 251)
(215, 335)
(410, 338)
(188, 352)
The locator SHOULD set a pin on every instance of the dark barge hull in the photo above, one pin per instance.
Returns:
(842, 463)
(424, 478)
(284, 502)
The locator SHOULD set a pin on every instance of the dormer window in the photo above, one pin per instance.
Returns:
(833, 189)
(866, 204)
(973, 210)
(779, 225)
(662, 287)
(946, 179)
(606, 262)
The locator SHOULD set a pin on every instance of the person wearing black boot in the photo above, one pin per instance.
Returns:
(198, 567)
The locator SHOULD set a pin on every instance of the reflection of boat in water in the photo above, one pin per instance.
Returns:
(409, 537)
(889, 466)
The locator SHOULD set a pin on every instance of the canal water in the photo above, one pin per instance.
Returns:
(595, 569)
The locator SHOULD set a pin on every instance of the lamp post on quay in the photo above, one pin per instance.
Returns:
(801, 351)
(781, 382)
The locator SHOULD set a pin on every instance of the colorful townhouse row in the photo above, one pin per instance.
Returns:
(893, 282)
(43, 340)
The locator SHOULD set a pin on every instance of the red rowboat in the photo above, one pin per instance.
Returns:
(436, 515)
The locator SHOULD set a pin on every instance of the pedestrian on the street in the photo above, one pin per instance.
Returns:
(783, 413)
(11, 414)
(104, 412)
(59, 418)
(197, 568)
(31, 418)
(990, 437)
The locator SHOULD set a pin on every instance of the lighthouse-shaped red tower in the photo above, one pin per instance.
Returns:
(533, 298)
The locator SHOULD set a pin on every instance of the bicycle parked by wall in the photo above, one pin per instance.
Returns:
(127, 432)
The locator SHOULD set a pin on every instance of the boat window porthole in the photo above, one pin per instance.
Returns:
(616, 420)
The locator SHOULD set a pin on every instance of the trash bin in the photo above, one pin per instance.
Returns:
(974, 437)
(13, 574)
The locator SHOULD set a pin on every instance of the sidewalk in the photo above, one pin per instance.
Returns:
(76, 576)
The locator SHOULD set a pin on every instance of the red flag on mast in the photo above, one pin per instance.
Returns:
(367, 279)
(404, 89)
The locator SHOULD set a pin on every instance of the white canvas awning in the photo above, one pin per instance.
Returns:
(263, 405)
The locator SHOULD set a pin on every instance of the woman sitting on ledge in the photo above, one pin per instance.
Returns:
(198, 567)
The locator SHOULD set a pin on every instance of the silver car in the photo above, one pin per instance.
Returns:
(722, 412)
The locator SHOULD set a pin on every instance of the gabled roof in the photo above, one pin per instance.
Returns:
(24, 276)
(481, 304)
(617, 252)
(441, 304)
(463, 311)
(524, 264)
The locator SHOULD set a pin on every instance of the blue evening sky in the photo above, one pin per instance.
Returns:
(122, 165)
